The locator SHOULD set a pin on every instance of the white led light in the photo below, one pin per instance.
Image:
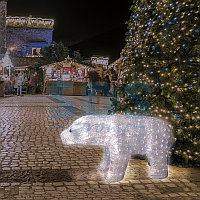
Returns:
(145, 135)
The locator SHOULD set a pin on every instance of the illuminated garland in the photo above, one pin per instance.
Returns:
(29, 22)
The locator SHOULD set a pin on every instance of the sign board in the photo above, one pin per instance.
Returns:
(100, 60)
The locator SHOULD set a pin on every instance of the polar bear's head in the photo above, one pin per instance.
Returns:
(77, 133)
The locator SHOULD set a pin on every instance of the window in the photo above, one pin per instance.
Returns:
(36, 51)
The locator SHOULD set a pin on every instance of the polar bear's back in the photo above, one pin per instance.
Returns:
(151, 128)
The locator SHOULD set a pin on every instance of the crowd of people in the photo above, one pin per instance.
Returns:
(31, 83)
(101, 86)
(96, 86)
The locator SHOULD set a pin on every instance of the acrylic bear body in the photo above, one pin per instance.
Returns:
(122, 136)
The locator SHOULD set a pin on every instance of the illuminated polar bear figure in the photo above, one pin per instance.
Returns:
(123, 135)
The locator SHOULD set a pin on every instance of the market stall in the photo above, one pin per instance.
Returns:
(6, 71)
(65, 78)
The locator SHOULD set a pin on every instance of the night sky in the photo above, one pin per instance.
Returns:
(81, 21)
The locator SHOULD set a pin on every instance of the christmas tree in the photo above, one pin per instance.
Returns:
(161, 70)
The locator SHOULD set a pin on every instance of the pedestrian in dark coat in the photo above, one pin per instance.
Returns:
(106, 86)
(33, 84)
(16, 83)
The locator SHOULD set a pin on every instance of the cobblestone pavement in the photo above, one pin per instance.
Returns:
(36, 165)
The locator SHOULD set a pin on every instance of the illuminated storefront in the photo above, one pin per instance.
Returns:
(68, 76)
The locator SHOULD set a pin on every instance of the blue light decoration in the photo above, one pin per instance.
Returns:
(164, 37)
(158, 84)
(153, 47)
(149, 23)
(191, 11)
(151, 72)
(158, 52)
(175, 18)
(184, 45)
(171, 4)
(169, 22)
(195, 75)
(197, 30)
(191, 60)
(154, 12)
(146, 9)
(181, 81)
(166, 69)
(146, 32)
(159, 16)
(190, 87)
(136, 50)
(165, 29)
(178, 9)
(178, 117)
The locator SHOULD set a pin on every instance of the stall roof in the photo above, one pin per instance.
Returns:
(64, 62)
(21, 68)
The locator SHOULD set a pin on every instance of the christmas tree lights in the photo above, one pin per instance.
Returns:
(163, 50)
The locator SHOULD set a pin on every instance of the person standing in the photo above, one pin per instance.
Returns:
(16, 83)
(106, 86)
(89, 89)
(37, 82)
(20, 83)
(33, 84)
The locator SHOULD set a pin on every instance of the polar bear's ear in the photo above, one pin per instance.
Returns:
(70, 130)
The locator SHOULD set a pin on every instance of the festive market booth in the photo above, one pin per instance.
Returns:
(6, 71)
(65, 78)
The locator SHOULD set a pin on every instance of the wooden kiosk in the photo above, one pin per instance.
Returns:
(65, 78)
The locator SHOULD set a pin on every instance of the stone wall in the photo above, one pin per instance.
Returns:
(24, 61)
(3, 13)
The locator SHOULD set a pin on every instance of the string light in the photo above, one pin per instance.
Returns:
(29, 22)
(173, 34)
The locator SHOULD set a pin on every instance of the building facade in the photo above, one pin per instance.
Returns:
(26, 36)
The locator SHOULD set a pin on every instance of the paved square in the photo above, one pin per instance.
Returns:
(36, 165)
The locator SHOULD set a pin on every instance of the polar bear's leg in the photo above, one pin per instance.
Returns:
(159, 167)
(117, 169)
(105, 163)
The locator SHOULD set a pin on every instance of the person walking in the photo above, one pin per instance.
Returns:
(106, 86)
(33, 84)
(89, 89)
(37, 82)
(20, 83)
(16, 83)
